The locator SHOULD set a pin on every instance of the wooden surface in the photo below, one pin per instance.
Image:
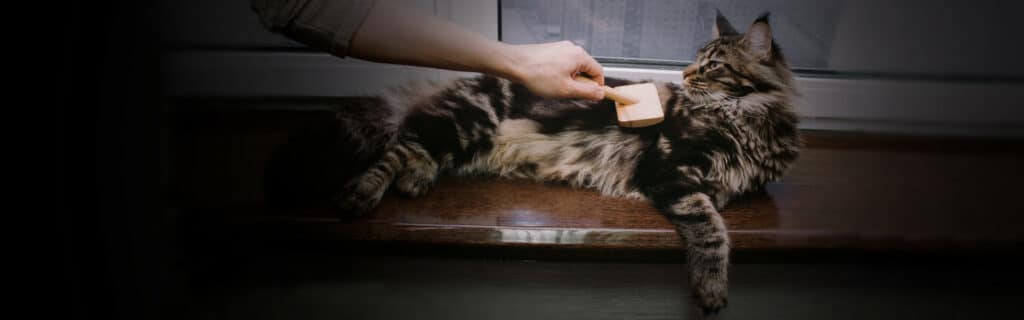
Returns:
(847, 191)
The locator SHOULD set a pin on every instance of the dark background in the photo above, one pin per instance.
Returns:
(122, 251)
(114, 245)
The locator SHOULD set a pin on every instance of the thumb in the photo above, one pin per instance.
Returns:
(579, 89)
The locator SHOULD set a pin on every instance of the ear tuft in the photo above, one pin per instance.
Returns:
(759, 37)
(722, 26)
(763, 17)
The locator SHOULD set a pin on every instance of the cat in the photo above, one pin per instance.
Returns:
(728, 129)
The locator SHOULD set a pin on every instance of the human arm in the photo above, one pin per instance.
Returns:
(393, 33)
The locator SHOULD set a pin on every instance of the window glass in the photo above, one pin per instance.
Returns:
(667, 30)
(930, 39)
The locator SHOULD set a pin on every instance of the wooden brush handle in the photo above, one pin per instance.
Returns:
(609, 92)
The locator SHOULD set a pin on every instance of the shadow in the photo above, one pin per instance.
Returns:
(754, 210)
(323, 153)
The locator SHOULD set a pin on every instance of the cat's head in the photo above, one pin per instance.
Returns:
(738, 66)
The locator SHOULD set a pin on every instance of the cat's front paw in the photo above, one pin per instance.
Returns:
(710, 291)
(358, 200)
(711, 301)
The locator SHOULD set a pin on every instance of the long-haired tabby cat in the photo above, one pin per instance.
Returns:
(728, 129)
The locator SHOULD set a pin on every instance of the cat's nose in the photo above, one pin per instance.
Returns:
(687, 78)
(689, 72)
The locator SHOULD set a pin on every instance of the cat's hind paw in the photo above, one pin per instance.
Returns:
(413, 186)
(417, 177)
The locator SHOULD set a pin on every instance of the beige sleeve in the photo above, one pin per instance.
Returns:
(327, 25)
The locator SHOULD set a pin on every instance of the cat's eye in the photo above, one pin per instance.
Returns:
(710, 65)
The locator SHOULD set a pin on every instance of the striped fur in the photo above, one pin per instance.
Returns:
(728, 130)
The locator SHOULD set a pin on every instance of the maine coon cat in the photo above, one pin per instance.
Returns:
(728, 130)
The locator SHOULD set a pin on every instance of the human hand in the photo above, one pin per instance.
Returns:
(548, 70)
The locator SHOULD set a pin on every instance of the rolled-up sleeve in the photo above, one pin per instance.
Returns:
(327, 25)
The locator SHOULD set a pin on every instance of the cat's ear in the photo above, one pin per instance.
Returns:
(722, 27)
(759, 38)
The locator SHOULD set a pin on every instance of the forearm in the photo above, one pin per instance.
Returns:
(327, 25)
(386, 31)
(393, 33)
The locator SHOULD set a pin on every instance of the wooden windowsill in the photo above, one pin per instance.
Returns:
(847, 191)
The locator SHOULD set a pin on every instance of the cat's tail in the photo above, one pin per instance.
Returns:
(316, 161)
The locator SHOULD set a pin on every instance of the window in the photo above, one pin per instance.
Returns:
(668, 31)
(948, 67)
(920, 67)
(947, 40)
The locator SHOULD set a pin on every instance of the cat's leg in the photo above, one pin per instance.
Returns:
(682, 195)
(419, 172)
(363, 193)
(707, 248)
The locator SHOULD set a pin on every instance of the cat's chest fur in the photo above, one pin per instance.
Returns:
(756, 144)
(606, 157)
